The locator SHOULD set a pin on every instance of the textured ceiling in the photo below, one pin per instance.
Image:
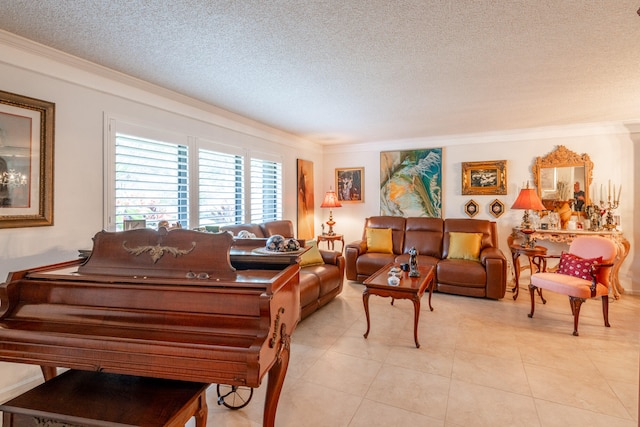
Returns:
(354, 71)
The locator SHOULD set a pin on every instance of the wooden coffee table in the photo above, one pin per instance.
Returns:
(409, 288)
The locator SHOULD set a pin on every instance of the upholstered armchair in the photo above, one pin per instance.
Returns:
(583, 273)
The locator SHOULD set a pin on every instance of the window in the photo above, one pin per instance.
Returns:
(151, 181)
(221, 188)
(266, 190)
(156, 175)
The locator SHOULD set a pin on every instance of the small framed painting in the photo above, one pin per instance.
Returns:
(496, 208)
(350, 185)
(481, 178)
(471, 208)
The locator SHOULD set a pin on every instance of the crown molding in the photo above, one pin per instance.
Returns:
(71, 69)
(513, 135)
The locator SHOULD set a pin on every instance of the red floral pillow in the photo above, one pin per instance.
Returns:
(573, 265)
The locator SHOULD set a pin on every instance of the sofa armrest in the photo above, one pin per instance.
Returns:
(330, 257)
(495, 264)
(351, 253)
(489, 253)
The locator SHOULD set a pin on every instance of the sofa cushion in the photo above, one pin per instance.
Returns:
(395, 223)
(380, 240)
(424, 234)
(461, 273)
(369, 263)
(464, 246)
(573, 265)
(312, 256)
(309, 287)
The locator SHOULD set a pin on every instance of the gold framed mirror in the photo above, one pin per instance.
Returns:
(563, 176)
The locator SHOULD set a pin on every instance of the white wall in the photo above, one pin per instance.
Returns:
(83, 94)
(610, 147)
(83, 97)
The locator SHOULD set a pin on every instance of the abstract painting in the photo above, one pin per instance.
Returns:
(411, 183)
(305, 200)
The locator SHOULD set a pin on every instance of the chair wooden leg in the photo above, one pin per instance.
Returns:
(605, 310)
(575, 309)
(532, 293)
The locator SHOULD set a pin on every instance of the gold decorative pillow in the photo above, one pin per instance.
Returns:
(465, 246)
(312, 256)
(380, 240)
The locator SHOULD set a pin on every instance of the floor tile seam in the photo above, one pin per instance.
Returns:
(582, 408)
(612, 392)
(464, 381)
(401, 408)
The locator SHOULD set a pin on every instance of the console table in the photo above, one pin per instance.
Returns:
(567, 236)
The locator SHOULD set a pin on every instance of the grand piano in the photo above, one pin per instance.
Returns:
(163, 304)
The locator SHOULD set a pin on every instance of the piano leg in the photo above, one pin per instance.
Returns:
(276, 379)
(49, 372)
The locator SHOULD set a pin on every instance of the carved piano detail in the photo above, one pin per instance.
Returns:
(164, 304)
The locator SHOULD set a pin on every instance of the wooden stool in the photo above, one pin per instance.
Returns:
(87, 398)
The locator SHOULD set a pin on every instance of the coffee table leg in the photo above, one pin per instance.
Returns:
(416, 317)
(365, 300)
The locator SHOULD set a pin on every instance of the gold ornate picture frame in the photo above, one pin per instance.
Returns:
(26, 161)
(496, 208)
(484, 178)
(471, 208)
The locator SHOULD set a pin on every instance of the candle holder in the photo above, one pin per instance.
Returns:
(608, 207)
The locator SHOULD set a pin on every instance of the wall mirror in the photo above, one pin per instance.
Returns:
(563, 176)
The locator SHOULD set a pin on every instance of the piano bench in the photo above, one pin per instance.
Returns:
(89, 398)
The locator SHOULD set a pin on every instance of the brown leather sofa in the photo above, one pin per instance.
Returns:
(430, 237)
(319, 283)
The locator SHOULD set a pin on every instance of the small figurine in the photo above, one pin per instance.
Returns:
(413, 263)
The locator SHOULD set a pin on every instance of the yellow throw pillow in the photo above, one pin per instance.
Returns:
(312, 256)
(465, 246)
(380, 240)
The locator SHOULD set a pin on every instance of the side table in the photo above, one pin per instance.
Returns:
(411, 288)
(534, 254)
(331, 239)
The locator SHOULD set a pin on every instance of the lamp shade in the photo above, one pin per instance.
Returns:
(330, 200)
(528, 199)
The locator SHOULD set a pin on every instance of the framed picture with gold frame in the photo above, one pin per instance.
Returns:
(471, 208)
(26, 161)
(496, 208)
(484, 178)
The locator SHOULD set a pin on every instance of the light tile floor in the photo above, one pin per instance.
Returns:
(481, 363)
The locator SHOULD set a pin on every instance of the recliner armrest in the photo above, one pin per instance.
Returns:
(491, 253)
(330, 257)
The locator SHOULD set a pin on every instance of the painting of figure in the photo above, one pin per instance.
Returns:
(305, 200)
(349, 185)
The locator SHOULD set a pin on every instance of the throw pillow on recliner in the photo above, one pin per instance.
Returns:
(379, 240)
(312, 256)
(464, 246)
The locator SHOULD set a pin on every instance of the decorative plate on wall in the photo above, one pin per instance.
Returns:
(496, 208)
(471, 208)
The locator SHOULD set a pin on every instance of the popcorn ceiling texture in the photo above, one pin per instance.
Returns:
(352, 71)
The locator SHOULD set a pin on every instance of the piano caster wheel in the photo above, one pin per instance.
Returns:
(233, 396)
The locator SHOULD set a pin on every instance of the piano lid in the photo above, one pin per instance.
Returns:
(177, 253)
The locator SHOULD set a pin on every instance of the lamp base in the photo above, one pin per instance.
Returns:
(331, 223)
(528, 241)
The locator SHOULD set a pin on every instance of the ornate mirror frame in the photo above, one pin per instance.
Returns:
(562, 157)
